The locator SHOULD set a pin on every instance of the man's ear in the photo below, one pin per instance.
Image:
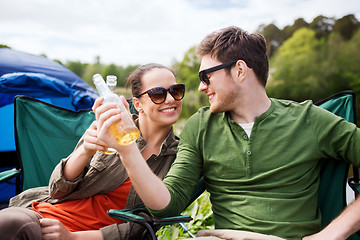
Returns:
(241, 69)
(137, 105)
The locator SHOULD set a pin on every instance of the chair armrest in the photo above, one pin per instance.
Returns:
(139, 214)
(8, 174)
(354, 185)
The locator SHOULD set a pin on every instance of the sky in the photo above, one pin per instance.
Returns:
(129, 32)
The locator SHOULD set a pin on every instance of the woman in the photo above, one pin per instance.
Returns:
(86, 184)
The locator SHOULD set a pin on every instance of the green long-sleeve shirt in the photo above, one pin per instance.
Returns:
(268, 183)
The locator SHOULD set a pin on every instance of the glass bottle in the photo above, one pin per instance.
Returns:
(124, 130)
(111, 82)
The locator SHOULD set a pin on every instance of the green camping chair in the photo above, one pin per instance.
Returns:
(44, 134)
(333, 175)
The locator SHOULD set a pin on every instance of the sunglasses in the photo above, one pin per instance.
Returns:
(158, 94)
(203, 75)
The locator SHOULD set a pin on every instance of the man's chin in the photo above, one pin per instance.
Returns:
(214, 109)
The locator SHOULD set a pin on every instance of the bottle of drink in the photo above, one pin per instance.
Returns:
(111, 82)
(124, 130)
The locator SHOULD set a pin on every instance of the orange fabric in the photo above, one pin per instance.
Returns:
(89, 213)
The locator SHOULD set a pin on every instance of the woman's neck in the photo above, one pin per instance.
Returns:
(154, 135)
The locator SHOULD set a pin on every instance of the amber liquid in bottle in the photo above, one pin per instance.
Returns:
(124, 130)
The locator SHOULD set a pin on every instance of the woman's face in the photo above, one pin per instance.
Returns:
(166, 113)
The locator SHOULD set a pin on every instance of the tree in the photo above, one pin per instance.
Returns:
(322, 26)
(288, 31)
(126, 73)
(187, 70)
(112, 69)
(90, 70)
(77, 67)
(294, 64)
(273, 35)
(346, 26)
(4, 46)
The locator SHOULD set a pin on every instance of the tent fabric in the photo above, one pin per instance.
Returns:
(12, 61)
(39, 85)
(38, 77)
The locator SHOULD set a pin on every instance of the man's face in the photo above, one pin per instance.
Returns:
(221, 88)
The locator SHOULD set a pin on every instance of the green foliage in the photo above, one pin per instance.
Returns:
(322, 26)
(86, 71)
(346, 26)
(90, 70)
(111, 69)
(187, 71)
(192, 101)
(305, 67)
(201, 212)
(77, 67)
(4, 46)
(274, 37)
(124, 74)
(293, 63)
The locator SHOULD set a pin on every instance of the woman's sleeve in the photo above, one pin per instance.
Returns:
(58, 185)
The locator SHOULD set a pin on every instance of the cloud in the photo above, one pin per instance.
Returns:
(137, 31)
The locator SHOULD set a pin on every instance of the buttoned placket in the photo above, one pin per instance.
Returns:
(247, 154)
(247, 150)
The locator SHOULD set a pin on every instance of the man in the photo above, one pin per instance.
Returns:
(259, 156)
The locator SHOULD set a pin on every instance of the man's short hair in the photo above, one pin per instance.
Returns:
(233, 43)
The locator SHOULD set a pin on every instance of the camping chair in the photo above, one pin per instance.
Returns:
(333, 174)
(44, 134)
(61, 88)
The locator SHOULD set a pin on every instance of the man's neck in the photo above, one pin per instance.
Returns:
(250, 106)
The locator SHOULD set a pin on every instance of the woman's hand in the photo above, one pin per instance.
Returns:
(106, 115)
(91, 142)
(54, 229)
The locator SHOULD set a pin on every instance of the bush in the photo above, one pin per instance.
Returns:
(201, 212)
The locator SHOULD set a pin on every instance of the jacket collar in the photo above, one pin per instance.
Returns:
(169, 145)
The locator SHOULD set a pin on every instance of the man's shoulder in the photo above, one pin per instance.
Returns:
(291, 105)
(202, 118)
(203, 114)
(296, 109)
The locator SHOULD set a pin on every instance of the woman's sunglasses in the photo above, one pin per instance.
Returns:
(158, 94)
(203, 75)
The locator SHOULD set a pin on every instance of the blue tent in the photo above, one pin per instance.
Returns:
(38, 77)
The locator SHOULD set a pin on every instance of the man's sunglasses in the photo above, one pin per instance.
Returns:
(203, 75)
(158, 94)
